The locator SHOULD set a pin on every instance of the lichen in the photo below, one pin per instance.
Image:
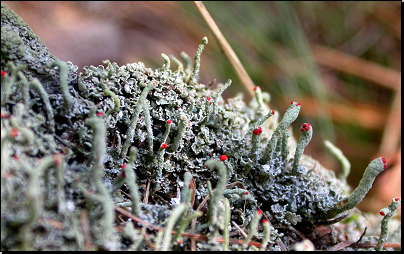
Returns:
(161, 136)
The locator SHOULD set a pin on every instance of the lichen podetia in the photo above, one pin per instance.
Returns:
(166, 128)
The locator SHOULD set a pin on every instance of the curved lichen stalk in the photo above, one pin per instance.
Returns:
(288, 118)
(307, 133)
(132, 127)
(67, 99)
(387, 214)
(374, 168)
(197, 61)
(221, 185)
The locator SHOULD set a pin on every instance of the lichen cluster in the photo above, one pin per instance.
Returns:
(75, 146)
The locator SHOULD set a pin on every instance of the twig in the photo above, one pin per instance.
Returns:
(197, 237)
(125, 194)
(340, 246)
(243, 234)
(146, 194)
(363, 234)
(84, 223)
(298, 233)
(372, 245)
(55, 223)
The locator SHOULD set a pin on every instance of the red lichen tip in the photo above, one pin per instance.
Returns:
(169, 121)
(259, 212)
(255, 88)
(100, 114)
(257, 131)
(123, 166)
(223, 157)
(273, 112)
(384, 163)
(14, 132)
(3, 115)
(164, 146)
(208, 98)
(3, 73)
(7, 174)
(264, 221)
(305, 127)
(57, 159)
(382, 213)
(246, 193)
(397, 199)
(123, 174)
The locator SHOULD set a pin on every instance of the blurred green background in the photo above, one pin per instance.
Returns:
(341, 60)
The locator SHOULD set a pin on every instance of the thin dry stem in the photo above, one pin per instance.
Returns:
(227, 50)
(353, 65)
(392, 130)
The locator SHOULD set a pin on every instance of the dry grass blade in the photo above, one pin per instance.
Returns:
(243, 234)
(197, 237)
(362, 114)
(340, 246)
(86, 232)
(390, 16)
(356, 66)
(54, 223)
(146, 195)
(392, 130)
(227, 50)
(192, 186)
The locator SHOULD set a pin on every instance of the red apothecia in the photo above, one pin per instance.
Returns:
(14, 132)
(257, 131)
(58, 159)
(385, 163)
(305, 127)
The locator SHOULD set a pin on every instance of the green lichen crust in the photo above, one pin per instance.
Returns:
(176, 126)
(20, 44)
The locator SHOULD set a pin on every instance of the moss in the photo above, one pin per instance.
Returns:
(20, 44)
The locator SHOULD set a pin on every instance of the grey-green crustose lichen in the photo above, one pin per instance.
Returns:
(121, 127)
